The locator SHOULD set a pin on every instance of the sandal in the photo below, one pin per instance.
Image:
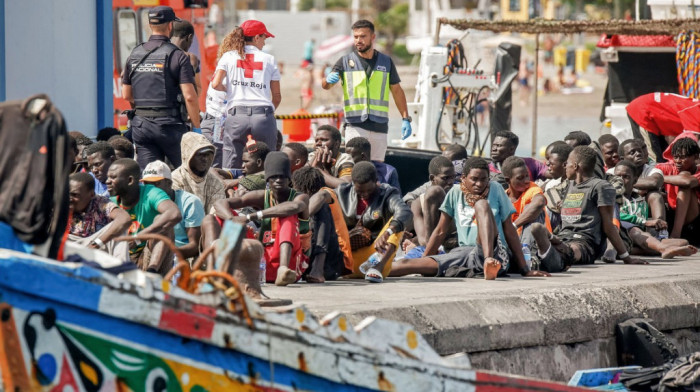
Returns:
(374, 276)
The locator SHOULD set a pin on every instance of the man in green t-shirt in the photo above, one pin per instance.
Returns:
(151, 212)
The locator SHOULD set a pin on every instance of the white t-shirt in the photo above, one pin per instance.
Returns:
(249, 79)
(647, 170)
(216, 101)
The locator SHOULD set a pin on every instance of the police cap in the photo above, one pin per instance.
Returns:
(161, 14)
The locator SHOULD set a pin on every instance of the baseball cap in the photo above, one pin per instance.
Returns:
(162, 14)
(156, 171)
(251, 28)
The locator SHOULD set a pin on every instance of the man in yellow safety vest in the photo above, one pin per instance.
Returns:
(368, 76)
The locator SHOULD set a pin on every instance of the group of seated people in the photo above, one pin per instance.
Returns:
(320, 215)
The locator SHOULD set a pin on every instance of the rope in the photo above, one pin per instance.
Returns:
(305, 116)
(190, 280)
(688, 63)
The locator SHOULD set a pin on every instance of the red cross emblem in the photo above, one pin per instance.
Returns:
(249, 64)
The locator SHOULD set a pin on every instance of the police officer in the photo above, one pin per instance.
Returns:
(367, 78)
(158, 81)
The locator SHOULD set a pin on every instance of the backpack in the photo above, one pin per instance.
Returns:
(34, 166)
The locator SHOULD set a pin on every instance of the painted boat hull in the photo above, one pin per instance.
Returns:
(69, 327)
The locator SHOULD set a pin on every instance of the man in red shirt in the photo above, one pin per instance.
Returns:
(681, 179)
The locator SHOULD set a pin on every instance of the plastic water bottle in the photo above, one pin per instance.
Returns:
(263, 269)
(370, 263)
(527, 256)
(663, 234)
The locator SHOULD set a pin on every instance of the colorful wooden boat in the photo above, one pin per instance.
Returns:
(73, 327)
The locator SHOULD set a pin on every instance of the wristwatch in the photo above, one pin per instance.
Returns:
(409, 119)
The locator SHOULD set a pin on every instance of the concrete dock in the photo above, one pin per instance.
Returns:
(538, 327)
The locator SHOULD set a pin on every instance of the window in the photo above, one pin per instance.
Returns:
(145, 27)
(127, 37)
(514, 5)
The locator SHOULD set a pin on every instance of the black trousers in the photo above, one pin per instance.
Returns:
(325, 240)
(155, 139)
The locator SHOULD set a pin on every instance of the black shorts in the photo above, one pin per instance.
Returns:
(469, 261)
(560, 257)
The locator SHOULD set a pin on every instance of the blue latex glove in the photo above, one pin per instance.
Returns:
(197, 130)
(333, 78)
(405, 129)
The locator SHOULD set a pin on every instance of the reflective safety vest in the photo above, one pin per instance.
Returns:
(152, 84)
(366, 98)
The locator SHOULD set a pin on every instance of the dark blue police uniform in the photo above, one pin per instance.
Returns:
(158, 124)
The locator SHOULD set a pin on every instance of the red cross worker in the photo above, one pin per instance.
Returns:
(251, 80)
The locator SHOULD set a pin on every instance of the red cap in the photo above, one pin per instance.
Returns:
(251, 28)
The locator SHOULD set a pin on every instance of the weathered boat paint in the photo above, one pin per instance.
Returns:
(76, 328)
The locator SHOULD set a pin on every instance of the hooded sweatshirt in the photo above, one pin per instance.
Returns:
(209, 188)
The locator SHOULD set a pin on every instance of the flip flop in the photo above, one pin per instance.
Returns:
(374, 276)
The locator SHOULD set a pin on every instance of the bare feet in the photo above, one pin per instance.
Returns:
(674, 242)
(491, 268)
(674, 251)
(609, 256)
(285, 276)
(315, 279)
(632, 260)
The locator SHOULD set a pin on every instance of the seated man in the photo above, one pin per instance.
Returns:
(484, 249)
(151, 212)
(196, 175)
(556, 187)
(123, 148)
(503, 145)
(681, 184)
(284, 217)
(99, 156)
(555, 156)
(426, 212)
(188, 231)
(106, 133)
(439, 172)
(609, 146)
(335, 166)
(379, 209)
(280, 140)
(527, 198)
(587, 215)
(95, 220)
(649, 179)
(580, 138)
(634, 218)
(577, 138)
(254, 155)
(360, 150)
(326, 258)
(298, 155)
(456, 153)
